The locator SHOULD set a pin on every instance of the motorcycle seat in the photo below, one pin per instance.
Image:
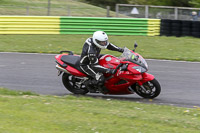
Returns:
(73, 61)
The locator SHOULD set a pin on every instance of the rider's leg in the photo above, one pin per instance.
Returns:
(101, 85)
(98, 79)
(92, 77)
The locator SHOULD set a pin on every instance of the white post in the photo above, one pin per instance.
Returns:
(108, 11)
(27, 10)
(49, 6)
(176, 13)
(68, 11)
(146, 11)
(117, 10)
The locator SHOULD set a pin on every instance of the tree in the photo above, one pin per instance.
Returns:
(161, 2)
(195, 3)
(104, 3)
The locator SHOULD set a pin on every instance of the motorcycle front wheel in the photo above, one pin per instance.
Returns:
(71, 83)
(150, 89)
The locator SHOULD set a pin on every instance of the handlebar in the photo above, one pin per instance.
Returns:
(118, 67)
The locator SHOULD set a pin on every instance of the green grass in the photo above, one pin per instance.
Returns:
(30, 113)
(158, 47)
(58, 8)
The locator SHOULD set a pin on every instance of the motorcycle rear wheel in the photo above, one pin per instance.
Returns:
(71, 84)
(150, 89)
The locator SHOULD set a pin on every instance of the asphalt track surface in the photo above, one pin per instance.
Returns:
(180, 81)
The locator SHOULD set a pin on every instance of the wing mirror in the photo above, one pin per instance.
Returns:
(135, 46)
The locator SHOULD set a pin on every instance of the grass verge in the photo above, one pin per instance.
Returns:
(58, 8)
(29, 113)
(158, 47)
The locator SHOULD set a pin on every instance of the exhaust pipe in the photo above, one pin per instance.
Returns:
(61, 69)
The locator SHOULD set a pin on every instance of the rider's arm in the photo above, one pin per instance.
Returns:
(95, 63)
(114, 48)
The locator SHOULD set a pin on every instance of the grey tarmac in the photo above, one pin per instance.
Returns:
(180, 80)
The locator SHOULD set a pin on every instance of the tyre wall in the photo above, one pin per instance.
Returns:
(180, 28)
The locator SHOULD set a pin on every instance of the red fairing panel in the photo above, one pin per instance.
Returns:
(129, 76)
(58, 58)
(75, 72)
(146, 77)
(70, 69)
(117, 89)
(109, 61)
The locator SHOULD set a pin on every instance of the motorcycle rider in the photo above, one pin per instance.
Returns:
(89, 61)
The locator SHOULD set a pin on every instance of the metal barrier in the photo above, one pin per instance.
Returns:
(159, 12)
(29, 25)
(113, 26)
(78, 25)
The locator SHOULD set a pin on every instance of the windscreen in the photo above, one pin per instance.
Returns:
(129, 55)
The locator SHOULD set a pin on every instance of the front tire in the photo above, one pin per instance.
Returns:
(71, 84)
(150, 89)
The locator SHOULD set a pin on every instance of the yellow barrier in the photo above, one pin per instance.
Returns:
(154, 27)
(77, 25)
(29, 25)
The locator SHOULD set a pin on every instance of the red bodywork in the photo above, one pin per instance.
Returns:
(118, 83)
(70, 69)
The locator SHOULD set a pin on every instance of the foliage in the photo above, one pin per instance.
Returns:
(195, 3)
(104, 3)
(179, 3)
(161, 2)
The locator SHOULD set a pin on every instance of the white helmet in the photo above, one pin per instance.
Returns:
(100, 39)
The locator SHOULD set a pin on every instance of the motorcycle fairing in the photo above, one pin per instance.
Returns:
(73, 64)
(58, 60)
(133, 74)
(116, 88)
(75, 72)
(145, 77)
(109, 61)
(119, 88)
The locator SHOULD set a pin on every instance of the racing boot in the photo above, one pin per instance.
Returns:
(101, 86)
(90, 85)
(103, 89)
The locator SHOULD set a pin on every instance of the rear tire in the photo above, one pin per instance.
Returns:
(71, 84)
(150, 89)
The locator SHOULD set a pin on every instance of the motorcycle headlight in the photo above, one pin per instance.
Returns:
(139, 69)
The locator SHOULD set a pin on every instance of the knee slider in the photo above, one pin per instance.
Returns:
(101, 80)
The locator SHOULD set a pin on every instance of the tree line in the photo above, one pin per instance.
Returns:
(179, 3)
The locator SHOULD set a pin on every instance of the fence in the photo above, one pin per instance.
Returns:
(159, 12)
(65, 10)
(122, 10)
(78, 25)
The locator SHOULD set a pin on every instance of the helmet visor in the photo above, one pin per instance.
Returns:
(102, 43)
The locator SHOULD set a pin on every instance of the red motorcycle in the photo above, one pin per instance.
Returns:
(130, 74)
